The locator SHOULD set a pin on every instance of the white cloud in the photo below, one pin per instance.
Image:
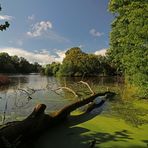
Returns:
(101, 52)
(44, 29)
(41, 56)
(43, 51)
(39, 28)
(31, 18)
(61, 55)
(6, 17)
(95, 33)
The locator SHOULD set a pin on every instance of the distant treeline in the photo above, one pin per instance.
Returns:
(15, 64)
(75, 63)
(79, 63)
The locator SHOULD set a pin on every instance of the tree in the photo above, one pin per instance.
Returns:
(24, 66)
(52, 69)
(36, 67)
(15, 61)
(55, 66)
(5, 25)
(6, 65)
(129, 40)
(48, 70)
(92, 65)
(78, 63)
(14, 64)
(106, 68)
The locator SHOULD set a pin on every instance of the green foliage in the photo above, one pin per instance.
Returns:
(5, 63)
(129, 40)
(36, 67)
(5, 25)
(14, 64)
(106, 67)
(78, 63)
(52, 69)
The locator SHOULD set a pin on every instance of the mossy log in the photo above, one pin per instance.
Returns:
(14, 133)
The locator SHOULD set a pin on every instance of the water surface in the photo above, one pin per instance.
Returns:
(18, 99)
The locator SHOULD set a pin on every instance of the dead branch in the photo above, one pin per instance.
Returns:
(85, 83)
(48, 86)
(69, 89)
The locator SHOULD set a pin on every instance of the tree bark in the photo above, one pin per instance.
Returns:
(16, 132)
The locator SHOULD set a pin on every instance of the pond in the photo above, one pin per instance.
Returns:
(18, 99)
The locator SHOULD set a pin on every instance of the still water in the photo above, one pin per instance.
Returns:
(18, 99)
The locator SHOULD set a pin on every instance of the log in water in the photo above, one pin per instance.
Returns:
(14, 133)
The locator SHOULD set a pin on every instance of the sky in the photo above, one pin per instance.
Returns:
(43, 30)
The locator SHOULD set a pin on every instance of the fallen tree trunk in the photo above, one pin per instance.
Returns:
(14, 133)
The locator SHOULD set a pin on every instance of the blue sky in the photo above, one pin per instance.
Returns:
(42, 30)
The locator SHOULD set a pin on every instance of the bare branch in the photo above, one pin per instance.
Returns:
(85, 83)
(5, 109)
(51, 87)
(69, 89)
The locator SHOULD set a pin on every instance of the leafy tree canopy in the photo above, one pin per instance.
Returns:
(15, 64)
(129, 39)
(78, 63)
